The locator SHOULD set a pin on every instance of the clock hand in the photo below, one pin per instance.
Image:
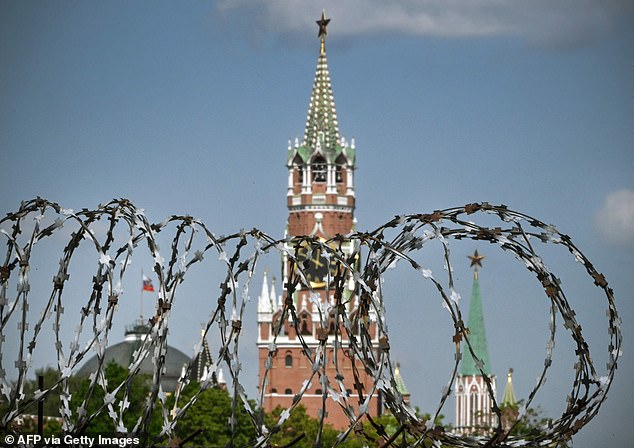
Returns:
(317, 259)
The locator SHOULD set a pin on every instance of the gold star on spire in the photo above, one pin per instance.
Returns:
(323, 24)
(476, 260)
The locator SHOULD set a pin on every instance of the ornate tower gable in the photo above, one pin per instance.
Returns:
(474, 414)
(264, 302)
(315, 307)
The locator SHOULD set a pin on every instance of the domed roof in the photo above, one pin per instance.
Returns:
(122, 353)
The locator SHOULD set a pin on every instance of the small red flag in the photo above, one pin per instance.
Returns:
(147, 284)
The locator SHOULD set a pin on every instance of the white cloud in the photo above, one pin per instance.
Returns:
(552, 22)
(615, 219)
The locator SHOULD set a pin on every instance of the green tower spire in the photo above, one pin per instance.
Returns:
(322, 128)
(477, 334)
(508, 399)
(400, 383)
(321, 135)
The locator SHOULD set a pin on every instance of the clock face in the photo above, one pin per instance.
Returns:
(316, 265)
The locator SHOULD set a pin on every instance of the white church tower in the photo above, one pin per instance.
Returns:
(474, 413)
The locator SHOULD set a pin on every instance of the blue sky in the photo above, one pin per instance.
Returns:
(188, 109)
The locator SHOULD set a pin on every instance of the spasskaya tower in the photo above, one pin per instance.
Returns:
(321, 202)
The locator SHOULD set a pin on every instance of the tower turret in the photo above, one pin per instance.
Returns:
(265, 304)
(400, 384)
(473, 402)
(508, 406)
(475, 323)
(508, 399)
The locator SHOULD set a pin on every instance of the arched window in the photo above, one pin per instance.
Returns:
(318, 392)
(305, 324)
(298, 166)
(319, 169)
(288, 391)
(278, 326)
(339, 164)
(274, 391)
(288, 360)
(331, 322)
(473, 398)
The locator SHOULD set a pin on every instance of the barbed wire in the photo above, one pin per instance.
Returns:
(116, 231)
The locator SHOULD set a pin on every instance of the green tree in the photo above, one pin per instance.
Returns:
(532, 424)
(138, 389)
(50, 426)
(28, 425)
(212, 412)
(387, 427)
(299, 427)
(51, 401)
(302, 429)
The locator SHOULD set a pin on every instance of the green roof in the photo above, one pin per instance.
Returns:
(477, 335)
(306, 153)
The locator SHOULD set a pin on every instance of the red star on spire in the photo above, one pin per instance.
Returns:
(476, 259)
